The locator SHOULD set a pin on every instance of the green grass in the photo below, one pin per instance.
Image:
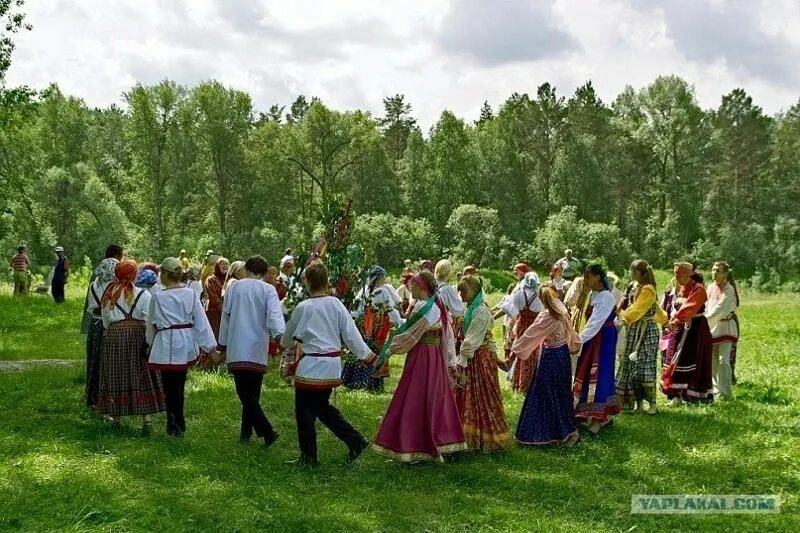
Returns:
(63, 470)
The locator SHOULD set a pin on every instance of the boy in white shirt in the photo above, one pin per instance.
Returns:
(251, 314)
(320, 324)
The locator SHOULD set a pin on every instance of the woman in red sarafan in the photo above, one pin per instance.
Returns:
(687, 374)
(523, 305)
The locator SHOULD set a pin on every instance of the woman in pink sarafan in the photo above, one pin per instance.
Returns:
(422, 422)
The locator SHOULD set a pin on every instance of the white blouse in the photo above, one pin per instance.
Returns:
(450, 298)
(173, 307)
(114, 314)
(520, 299)
(383, 295)
(602, 303)
(97, 289)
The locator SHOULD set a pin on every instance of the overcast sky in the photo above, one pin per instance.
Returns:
(442, 54)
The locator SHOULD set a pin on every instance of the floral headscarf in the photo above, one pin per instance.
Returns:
(531, 281)
(106, 270)
(146, 278)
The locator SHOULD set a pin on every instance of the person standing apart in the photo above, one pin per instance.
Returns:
(60, 275)
(21, 265)
(594, 388)
(320, 324)
(548, 414)
(176, 327)
(422, 422)
(570, 265)
(723, 299)
(636, 377)
(184, 260)
(478, 397)
(687, 374)
(127, 386)
(105, 274)
(251, 315)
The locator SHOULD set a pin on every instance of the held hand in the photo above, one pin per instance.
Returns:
(368, 361)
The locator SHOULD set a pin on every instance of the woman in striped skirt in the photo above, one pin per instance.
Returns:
(127, 386)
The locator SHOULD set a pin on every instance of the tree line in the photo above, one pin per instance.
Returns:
(650, 174)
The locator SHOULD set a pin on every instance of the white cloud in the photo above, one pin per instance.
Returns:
(442, 54)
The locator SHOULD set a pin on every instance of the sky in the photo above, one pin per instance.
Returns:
(441, 54)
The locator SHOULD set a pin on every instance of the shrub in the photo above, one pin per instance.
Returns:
(388, 239)
(476, 232)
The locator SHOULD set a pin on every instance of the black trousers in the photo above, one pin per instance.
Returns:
(174, 385)
(310, 405)
(57, 290)
(248, 388)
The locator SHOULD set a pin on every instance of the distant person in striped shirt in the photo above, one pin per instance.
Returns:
(21, 265)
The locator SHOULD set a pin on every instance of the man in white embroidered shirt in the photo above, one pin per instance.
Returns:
(251, 314)
(320, 324)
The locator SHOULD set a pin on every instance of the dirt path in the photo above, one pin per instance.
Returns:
(28, 364)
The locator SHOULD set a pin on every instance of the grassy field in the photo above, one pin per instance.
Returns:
(61, 469)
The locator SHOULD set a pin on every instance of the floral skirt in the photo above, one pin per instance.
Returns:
(480, 404)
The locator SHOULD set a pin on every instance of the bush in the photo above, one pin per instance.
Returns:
(587, 240)
(475, 231)
(388, 239)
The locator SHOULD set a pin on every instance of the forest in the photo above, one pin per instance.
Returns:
(649, 174)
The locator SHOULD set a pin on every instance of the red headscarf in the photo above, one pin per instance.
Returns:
(522, 267)
(122, 286)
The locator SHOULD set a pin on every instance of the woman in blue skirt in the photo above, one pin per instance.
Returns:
(548, 416)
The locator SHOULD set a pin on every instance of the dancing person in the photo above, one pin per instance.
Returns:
(523, 306)
(422, 422)
(105, 274)
(723, 299)
(127, 386)
(59, 276)
(21, 265)
(377, 311)
(636, 376)
(176, 327)
(478, 397)
(548, 414)
(321, 323)
(251, 315)
(557, 280)
(447, 294)
(687, 372)
(594, 388)
(213, 291)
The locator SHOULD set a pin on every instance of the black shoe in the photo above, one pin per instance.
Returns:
(244, 439)
(270, 439)
(356, 452)
(303, 460)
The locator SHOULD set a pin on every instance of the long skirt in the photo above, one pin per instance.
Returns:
(687, 369)
(548, 415)
(214, 318)
(594, 390)
(127, 386)
(522, 372)
(734, 350)
(94, 343)
(636, 380)
(421, 423)
(480, 404)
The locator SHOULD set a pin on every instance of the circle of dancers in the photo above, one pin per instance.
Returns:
(580, 350)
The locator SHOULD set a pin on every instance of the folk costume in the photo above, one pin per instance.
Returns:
(213, 291)
(637, 373)
(594, 388)
(251, 315)
(422, 421)
(478, 398)
(105, 274)
(127, 385)
(687, 372)
(548, 414)
(320, 325)
(523, 306)
(177, 328)
(721, 316)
